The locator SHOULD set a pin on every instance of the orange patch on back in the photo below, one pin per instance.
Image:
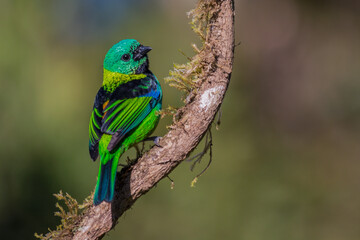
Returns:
(104, 106)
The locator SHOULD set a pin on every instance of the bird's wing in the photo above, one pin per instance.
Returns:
(123, 115)
(96, 123)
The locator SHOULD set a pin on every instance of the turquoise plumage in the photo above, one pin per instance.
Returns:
(124, 112)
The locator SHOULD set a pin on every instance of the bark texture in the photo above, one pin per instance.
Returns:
(197, 116)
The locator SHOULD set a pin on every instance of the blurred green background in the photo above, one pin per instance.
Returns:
(286, 157)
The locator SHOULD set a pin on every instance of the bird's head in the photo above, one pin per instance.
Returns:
(127, 57)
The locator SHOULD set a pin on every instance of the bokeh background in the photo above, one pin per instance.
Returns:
(286, 157)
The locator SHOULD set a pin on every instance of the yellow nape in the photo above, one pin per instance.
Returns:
(113, 79)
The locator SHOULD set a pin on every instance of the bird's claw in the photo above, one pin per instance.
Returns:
(155, 139)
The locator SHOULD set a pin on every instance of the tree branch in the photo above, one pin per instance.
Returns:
(197, 115)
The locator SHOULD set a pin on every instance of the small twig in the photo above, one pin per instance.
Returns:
(187, 57)
(172, 182)
(210, 155)
(198, 157)
(218, 122)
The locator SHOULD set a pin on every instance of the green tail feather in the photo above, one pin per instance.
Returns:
(106, 180)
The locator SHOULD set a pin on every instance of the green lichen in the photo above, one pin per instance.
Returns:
(188, 77)
(69, 216)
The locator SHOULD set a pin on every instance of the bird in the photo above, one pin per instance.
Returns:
(125, 111)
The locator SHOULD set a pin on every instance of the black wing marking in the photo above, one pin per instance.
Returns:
(95, 132)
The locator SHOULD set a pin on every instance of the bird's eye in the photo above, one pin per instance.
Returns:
(125, 57)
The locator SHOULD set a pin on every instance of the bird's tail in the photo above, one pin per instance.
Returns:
(105, 185)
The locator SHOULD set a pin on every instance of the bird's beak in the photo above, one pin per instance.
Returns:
(140, 52)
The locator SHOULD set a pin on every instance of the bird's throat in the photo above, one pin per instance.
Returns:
(114, 79)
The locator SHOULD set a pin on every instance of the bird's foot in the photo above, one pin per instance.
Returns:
(155, 139)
